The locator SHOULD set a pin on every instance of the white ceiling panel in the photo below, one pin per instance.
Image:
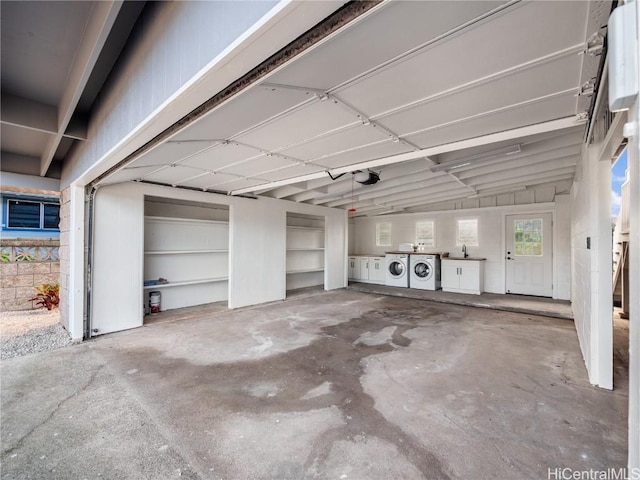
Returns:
(371, 152)
(350, 138)
(558, 76)
(385, 34)
(302, 124)
(531, 114)
(244, 111)
(483, 50)
(222, 156)
(170, 152)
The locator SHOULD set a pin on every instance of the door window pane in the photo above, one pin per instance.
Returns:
(527, 237)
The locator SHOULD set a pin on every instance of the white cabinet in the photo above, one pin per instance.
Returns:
(354, 268)
(367, 269)
(305, 251)
(462, 276)
(192, 255)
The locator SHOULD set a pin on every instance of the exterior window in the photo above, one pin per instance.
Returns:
(32, 215)
(528, 237)
(467, 232)
(426, 233)
(383, 234)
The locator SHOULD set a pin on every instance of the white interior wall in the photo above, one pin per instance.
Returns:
(491, 237)
(591, 268)
(257, 243)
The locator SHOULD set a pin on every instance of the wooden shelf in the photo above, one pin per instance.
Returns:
(315, 249)
(186, 282)
(181, 252)
(311, 270)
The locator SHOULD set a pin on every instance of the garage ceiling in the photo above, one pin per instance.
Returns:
(445, 100)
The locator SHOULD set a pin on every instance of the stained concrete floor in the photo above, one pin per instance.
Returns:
(336, 385)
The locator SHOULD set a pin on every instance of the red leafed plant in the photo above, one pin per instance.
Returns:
(48, 295)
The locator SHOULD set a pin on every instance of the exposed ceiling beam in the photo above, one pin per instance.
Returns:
(26, 113)
(527, 180)
(531, 169)
(101, 21)
(534, 129)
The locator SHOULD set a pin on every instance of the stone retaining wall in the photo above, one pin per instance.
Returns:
(26, 263)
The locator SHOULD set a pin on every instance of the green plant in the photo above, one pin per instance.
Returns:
(5, 256)
(48, 295)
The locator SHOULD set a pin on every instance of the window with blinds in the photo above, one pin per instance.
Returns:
(426, 233)
(383, 234)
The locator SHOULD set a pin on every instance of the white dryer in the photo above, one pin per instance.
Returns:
(425, 272)
(397, 270)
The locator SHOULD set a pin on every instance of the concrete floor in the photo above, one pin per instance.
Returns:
(340, 385)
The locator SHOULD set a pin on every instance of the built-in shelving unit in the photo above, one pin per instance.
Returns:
(305, 251)
(189, 251)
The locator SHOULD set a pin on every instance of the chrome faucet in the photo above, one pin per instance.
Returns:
(464, 251)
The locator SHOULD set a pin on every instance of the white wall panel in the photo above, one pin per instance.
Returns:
(491, 236)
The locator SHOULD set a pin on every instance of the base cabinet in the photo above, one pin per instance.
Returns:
(367, 269)
(462, 276)
(354, 268)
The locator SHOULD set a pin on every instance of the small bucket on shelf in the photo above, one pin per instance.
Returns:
(154, 302)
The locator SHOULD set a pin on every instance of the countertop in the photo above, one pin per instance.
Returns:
(474, 259)
(395, 252)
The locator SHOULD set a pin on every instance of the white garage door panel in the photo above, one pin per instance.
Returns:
(222, 156)
(300, 125)
(297, 170)
(506, 120)
(248, 109)
(386, 34)
(171, 152)
(172, 175)
(483, 50)
(128, 174)
(362, 154)
(358, 136)
(256, 166)
(512, 90)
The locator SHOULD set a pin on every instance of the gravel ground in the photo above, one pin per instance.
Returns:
(31, 331)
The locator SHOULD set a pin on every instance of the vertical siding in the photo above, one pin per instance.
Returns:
(170, 44)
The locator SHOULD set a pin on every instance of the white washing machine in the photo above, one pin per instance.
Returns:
(425, 272)
(397, 270)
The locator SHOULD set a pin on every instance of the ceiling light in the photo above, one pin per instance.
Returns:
(466, 161)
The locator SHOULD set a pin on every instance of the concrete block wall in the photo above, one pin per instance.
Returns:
(65, 213)
(18, 280)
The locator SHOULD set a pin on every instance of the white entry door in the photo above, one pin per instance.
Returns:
(529, 254)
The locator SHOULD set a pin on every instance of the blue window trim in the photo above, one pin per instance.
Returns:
(27, 198)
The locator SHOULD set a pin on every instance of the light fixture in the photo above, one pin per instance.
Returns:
(465, 161)
(366, 178)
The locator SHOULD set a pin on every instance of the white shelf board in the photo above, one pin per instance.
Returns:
(186, 282)
(185, 220)
(317, 249)
(311, 270)
(316, 229)
(181, 252)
